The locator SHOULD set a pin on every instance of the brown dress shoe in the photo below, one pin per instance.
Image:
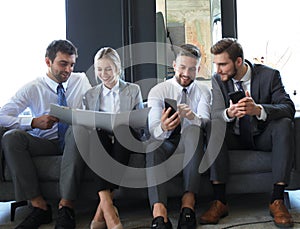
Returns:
(281, 215)
(216, 211)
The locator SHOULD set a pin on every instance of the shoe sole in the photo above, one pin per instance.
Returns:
(288, 225)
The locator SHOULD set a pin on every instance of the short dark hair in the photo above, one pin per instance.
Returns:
(63, 46)
(188, 50)
(229, 45)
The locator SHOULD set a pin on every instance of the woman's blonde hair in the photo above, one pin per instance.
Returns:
(111, 54)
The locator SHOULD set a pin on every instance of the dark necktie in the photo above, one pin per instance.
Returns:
(62, 127)
(244, 124)
(184, 96)
(183, 100)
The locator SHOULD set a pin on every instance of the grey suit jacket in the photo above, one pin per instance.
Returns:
(266, 89)
(130, 97)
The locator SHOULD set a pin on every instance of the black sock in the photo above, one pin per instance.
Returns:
(219, 192)
(277, 193)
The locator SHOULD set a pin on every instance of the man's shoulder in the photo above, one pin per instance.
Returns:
(78, 75)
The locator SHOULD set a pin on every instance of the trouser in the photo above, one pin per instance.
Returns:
(277, 137)
(76, 157)
(180, 153)
(20, 148)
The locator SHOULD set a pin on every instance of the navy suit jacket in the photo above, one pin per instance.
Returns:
(266, 89)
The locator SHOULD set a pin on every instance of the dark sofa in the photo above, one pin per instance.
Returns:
(250, 173)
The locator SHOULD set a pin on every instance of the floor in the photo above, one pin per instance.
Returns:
(246, 211)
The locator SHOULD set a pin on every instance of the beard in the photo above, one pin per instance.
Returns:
(179, 80)
(231, 76)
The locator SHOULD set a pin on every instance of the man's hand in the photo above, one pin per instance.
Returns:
(185, 111)
(245, 106)
(171, 123)
(44, 122)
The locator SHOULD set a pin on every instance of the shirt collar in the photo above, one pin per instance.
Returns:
(246, 77)
(52, 84)
(115, 89)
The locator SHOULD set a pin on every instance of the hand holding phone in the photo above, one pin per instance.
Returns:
(171, 103)
(236, 96)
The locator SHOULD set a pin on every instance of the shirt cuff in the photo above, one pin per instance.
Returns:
(25, 123)
(226, 118)
(263, 113)
(160, 134)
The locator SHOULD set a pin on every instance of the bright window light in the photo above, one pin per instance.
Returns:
(269, 33)
(27, 27)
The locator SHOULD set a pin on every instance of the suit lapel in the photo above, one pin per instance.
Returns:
(124, 96)
(255, 84)
(97, 97)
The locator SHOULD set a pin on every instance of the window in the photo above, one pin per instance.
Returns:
(191, 21)
(27, 27)
(269, 32)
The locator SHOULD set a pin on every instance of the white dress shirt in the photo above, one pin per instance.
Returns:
(110, 99)
(199, 100)
(247, 87)
(37, 95)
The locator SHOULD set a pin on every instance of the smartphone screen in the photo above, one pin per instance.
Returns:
(171, 103)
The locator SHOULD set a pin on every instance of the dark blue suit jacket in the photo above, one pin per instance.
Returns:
(266, 89)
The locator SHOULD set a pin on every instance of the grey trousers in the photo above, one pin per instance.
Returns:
(188, 148)
(72, 168)
(19, 150)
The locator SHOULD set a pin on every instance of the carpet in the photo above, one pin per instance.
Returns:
(246, 212)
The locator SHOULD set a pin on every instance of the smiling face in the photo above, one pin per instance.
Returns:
(107, 72)
(186, 69)
(61, 67)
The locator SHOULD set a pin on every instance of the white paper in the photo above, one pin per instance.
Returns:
(97, 119)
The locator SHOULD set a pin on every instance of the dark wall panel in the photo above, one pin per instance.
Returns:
(229, 18)
(92, 24)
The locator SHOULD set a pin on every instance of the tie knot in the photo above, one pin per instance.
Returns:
(240, 85)
(60, 88)
(184, 90)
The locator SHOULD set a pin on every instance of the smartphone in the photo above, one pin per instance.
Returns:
(236, 96)
(171, 103)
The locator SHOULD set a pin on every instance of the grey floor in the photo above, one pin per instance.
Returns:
(246, 211)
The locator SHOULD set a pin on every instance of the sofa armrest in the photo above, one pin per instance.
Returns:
(2, 131)
(297, 143)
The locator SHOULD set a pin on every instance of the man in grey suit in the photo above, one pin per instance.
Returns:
(261, 119)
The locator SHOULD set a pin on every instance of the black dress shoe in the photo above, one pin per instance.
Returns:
(187, 219)
(36, 218)
(158, 223)
(65, 218)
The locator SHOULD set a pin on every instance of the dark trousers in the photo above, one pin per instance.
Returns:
(277, 138)
(179, 153)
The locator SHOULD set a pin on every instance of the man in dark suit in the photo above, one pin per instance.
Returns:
(268, 112)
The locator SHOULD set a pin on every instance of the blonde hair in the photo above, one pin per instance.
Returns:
(111, 54)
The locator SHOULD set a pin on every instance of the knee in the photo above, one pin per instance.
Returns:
(283, 124)
(12, 136)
